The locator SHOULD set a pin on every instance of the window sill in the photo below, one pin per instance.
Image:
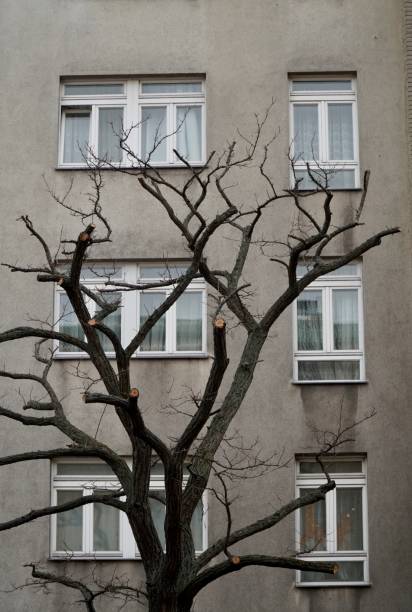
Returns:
(334, 585)
(81, 356)
(130, 168)
(329, 382)
(349, 189)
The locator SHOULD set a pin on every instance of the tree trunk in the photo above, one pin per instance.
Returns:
(160, 601)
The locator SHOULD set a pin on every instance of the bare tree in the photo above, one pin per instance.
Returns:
(175, 576)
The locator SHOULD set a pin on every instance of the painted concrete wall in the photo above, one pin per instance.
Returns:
(246, 50)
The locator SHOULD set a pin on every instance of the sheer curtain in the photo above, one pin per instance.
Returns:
(69, 324)
(309, 306)
(76, 136)
(189, 134)
(189, 322)
(105, 527)
(153, 130)
(110, 129)
(69, 523)
(113, 321)
(156, 338)
(328, 370)
(312, 525)
(345, 319)
(340, 126)
(306, 131)
(349, 518)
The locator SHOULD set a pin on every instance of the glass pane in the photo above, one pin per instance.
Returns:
(84, 469)
(328, 370)
(156, 338)
(340, 131)
(88, 89)
(68, 324)
(76, 137)
(163, 88)
(162, 272)
(69, 535)
(113, 321)
(189, 132)
(96, 271)
(345, 319)
(350, 269)
(153, 131)
(197, 526)
(344, 85)
(312, 525)
(309, 308)
(349, 571)
(336, 179)
(158, 514)
(305, 117)
(334, 467)
(189, 322)
(110, 131)
(105, 526)
(349, 518)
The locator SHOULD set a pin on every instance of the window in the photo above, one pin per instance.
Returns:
(100, 531)
(328, 328)
(324, 131)
(335, 529)
(169, 115)
(181, 331)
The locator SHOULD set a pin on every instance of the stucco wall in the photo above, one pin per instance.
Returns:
(246, 50)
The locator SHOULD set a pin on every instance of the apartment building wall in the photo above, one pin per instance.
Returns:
(246, 51)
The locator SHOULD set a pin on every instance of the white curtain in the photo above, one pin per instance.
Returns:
(105, 527)
(309, 306)
(156, 338)
(69, 524)
(349, 519)
(110, 130)
(328, 370)
(153, 130)
(189, 322)
(76, 136)
(340, 132)
(113, 321)
(345, 319)
(68, 324)
(312, 525)
(189, 134)
(306, 138)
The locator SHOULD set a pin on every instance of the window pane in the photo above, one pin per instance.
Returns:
(309, 308)
(113, 321)
(68, 324)
(189, 322)
(69, 534)
(345, 319)
(350, 269)
(76, 137)
(110, 131)
(105, 526)
(312, 525)
(349, 518)
(189, 132)
(305, 117)
(84, 469)
(163, 88)
(344, 85)
(197, 526)
(153, 131)
(158, 514)
(328, 370)
(336, 179)
(349, 571)
(162, 272)
(156, 338)
(340, 131)
(88, 89)
(334, 467)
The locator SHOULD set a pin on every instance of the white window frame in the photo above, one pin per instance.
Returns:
(86, 486)
(332, 554)
(322, 98)
(327, 284)
(130, 310)
(132, 100)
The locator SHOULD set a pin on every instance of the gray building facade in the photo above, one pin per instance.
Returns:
(233, 58)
